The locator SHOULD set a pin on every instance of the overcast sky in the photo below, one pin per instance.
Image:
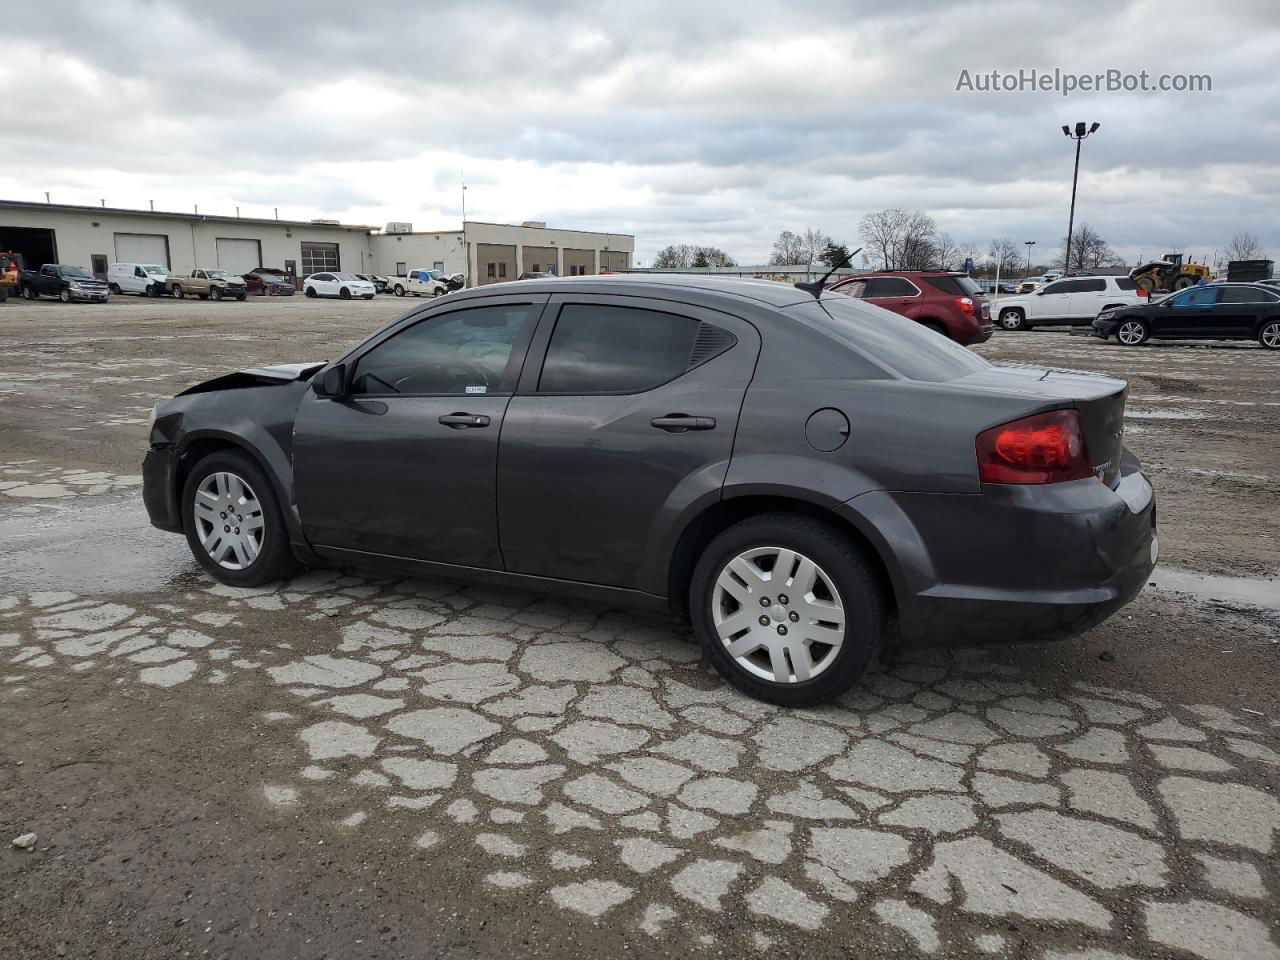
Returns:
(678, 122)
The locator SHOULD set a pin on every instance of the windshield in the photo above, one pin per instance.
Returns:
(436, 274)
(219, 275)
(78, 273)
(903, 346)
(154, 268)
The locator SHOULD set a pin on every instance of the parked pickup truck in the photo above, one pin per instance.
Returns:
(422, 281)
(207, 285)
(67, 283)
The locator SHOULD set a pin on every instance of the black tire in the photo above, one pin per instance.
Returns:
(311, 291)
(1269, 335)
(114, 288)
(439, 292)
(1132, 332)
(243, 297)
(178, 292)
(215, 293)
(399, 290)
(844, 563)
(1183, 282)
(1013, 319)
(203, 296)
(936, 327)
(29, 293)
(344, 294)
(154, 290)
(275, 560)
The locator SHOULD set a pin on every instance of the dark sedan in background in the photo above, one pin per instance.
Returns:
(266, 282)
(806, 479)
(1214, 311)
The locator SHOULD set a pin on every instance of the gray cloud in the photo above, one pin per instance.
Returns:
(675, 121)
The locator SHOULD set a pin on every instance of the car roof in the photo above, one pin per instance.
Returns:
(769, 292)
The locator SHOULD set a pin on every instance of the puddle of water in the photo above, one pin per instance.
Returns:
(100, 546)
(1164, 415)
(1256, 593)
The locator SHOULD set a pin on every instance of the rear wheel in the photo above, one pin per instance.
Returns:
(233, 524)
(399, 290)
(1013, 319)
(1132, 333)
(439, 292)
(936, 327)
(1183, 282)
(787, 609)
(1269, 335)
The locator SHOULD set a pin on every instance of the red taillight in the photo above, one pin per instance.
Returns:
(965, 304)
(1043, 448)
(1142, 292)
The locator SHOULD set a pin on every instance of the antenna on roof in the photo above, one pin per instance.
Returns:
(817, 286)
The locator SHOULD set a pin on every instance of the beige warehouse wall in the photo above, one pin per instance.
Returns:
(78, 235)
(540, 258)
(497, 254)
(417, 250)
(584, 259)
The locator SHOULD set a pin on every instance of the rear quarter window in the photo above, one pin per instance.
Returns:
(1124, 283)
(955, 286)
(901, 346)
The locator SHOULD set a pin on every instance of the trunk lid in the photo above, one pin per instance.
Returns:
(1099, 399)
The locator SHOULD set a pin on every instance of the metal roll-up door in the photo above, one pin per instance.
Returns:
(142, 248)
(238, 256)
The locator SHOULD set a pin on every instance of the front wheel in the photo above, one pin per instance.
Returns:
(310, 291)
(64, 295)
(29, 293)
(344, 294)
(114, 288)
(233, 524)
(1013, 319)
(440, 292)
(1269, 335)
(399, 290)
(216, 293)
(1132, 333)
(787, 609)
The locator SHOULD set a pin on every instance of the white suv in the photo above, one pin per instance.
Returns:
(1073, 300)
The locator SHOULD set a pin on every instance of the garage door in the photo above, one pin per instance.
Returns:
(142, 248)
(238, 256)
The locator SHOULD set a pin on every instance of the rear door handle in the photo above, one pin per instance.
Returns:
(464, 421)
(681, 423)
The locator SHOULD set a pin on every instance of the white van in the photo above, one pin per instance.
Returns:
(145, 279)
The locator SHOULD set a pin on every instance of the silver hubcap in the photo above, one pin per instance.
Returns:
(1011, 321)
(1271, 335)
(229, 520)
(778, 614)
(1130, 332)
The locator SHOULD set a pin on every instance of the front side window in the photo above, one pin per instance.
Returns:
(606, 349)
(454, 354)
(1196, 297)
(1062, 286)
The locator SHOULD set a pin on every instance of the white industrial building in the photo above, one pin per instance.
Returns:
(94, 237)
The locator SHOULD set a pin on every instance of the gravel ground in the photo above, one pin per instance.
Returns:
(346, 767)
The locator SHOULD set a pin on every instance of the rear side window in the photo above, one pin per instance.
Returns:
(956, 286)
(1124, 283)
(889, 287)
(1245, 295)
(606, 349)
(1091, 286)
(901, 345)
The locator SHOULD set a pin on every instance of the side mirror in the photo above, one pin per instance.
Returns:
(332, 383)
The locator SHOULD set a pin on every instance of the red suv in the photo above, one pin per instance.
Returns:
(950, 303)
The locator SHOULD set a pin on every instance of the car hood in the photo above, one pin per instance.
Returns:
(276, 375)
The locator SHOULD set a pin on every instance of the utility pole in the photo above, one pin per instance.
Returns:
(1080, 133)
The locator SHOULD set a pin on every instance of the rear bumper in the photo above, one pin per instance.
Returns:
(1021, 563)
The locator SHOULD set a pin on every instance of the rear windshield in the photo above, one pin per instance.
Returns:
(956, 286)
(1124, 283)
(901, 345)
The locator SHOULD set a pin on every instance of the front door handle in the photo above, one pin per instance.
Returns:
(464, 421)
(681, 423)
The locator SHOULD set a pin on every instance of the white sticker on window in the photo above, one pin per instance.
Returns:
(477, 389)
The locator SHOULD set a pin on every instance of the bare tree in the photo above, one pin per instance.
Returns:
(946, 253)
(789, 250)
(1245, 246)
(815, 242)
(900, 239)
(1089, 250)
(681, 256)
(881, 234)
(1005, 255)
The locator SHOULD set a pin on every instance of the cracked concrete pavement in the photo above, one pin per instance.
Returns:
(343, 765)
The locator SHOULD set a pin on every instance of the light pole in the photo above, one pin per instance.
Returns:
(1030, 244)
(1081, 131)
